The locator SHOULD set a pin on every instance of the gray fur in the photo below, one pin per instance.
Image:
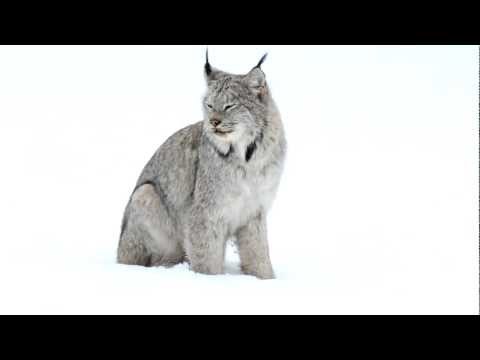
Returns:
(206, 184)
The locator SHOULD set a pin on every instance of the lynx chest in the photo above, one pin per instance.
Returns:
(252, 189)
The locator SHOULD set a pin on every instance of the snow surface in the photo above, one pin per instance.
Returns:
(377, 212)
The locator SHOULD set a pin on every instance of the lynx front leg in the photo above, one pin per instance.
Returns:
(253, 248)
(205, 246)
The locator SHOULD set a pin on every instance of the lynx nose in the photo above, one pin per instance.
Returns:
(215, 122)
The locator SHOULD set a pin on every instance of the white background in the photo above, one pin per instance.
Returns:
(377, 212)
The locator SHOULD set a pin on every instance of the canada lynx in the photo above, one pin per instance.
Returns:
(211, 181)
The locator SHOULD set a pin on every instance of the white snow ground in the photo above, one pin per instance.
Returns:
(377, 212)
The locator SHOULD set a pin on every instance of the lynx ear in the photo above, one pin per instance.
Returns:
(210, 72)
(208, 68)
(261, 61)
(256, 79)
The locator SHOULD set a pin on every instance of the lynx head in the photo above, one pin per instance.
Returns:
(235, 106)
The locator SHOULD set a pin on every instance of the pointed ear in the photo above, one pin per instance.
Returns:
(210, 72)
(256, 79)
(261, 61)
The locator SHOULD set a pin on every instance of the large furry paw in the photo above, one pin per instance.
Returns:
(207, 270)
(261, 272)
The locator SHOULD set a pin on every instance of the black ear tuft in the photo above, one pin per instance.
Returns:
(261, 60)
(208, 68)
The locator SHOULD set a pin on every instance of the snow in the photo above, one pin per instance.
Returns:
(377, 211)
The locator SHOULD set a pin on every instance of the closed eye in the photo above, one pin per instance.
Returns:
(227, 107)
(209, 106)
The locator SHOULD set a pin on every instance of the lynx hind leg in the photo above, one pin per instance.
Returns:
(132, 249)
(148, 236)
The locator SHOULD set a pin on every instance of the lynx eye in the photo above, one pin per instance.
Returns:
(227, 107)
(209, 106)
